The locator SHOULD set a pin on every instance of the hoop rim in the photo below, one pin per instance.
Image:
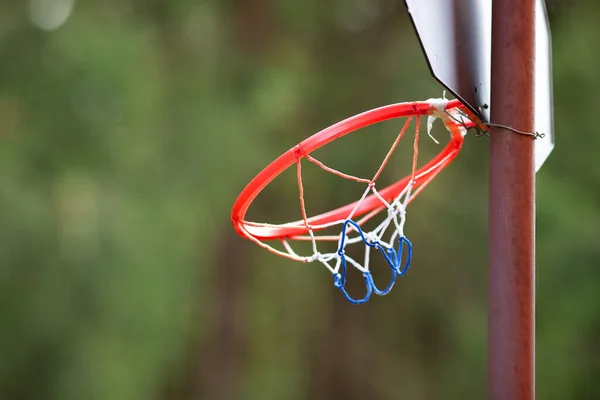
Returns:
(325, 136)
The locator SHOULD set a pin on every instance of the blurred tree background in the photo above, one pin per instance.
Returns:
(127, 129)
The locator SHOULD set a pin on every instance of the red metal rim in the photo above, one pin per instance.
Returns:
(342, 128)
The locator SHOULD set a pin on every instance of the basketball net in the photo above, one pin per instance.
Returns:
(388, 237)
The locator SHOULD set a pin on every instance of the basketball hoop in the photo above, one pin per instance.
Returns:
(388, 237)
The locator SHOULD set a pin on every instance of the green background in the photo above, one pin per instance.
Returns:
(127, 132)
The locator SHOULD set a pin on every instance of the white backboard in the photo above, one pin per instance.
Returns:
(456, 36)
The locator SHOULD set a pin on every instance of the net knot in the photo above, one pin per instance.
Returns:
(371, 238)
(395, 210)
(298, 152)
(337, 280)
(315, 257)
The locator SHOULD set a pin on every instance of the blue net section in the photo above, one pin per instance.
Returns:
(393, 257)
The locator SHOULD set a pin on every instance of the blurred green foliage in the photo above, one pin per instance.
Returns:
(127, 129)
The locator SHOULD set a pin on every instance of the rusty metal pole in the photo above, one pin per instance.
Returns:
(511, 327)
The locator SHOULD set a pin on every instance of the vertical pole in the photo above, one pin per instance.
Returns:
(511, 327)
